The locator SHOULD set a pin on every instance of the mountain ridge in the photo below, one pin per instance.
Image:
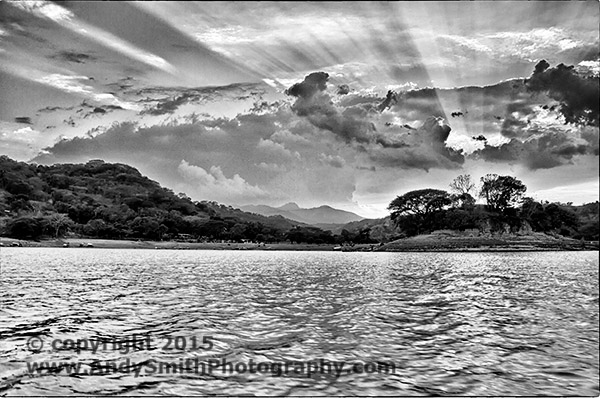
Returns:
(323, 214)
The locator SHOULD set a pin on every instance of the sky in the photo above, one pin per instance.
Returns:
(346, 104)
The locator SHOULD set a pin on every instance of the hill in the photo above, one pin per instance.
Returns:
(115, 201)
(313, 216)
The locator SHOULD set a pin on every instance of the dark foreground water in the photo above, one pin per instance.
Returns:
(453, 323)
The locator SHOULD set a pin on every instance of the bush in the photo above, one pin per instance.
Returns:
(25, 228)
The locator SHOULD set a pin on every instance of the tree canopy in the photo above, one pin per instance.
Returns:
(501, 192)
(420, 202)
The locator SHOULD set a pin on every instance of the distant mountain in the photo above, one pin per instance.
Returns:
(290, 207)
(316, 215)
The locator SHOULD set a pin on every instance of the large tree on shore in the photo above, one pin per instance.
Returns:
(59, 224)
(501, 192)
(416, 211)
(420, 202)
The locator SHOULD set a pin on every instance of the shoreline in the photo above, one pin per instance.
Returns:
(425, 243)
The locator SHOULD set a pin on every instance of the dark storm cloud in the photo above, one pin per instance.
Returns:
(393, 146)
(343, 89)
(23, 119)
(315, 104)
(312, 84)
(541, 66)
(578, 95)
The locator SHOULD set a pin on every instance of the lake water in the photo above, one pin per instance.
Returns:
(453, 323)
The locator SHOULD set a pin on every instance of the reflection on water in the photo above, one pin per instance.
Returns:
(454, 323)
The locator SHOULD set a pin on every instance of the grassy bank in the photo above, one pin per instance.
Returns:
(455, 241)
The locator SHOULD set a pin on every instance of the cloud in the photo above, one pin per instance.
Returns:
(423, 148)
(289, 138)
(533, 43)
(343, 89)
(169, 105)
(415, 74)
(24, 120)
(577, 95)
(272, 167)
(391, 146)
(589, 68)
(332, 160)
(544, 151)
(45, 9)
(274, 150)
(214, 185)
(176, 98)
(312, 84)
(20, 143)
(72, 84)
(75, 57)
(49, 109)
(391, 98)
(316, 105)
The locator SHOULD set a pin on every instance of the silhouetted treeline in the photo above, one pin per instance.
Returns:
(114, 201)
(506, 209)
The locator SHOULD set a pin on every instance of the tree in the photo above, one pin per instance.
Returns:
(461, 188)
(417, 211)
(59, 223)
(501, 192)
(463, 201)
(462, 185)
(420, 202)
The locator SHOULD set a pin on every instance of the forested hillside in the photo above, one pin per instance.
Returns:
(114, 201)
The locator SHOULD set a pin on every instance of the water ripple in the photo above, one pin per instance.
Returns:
(454, 323)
